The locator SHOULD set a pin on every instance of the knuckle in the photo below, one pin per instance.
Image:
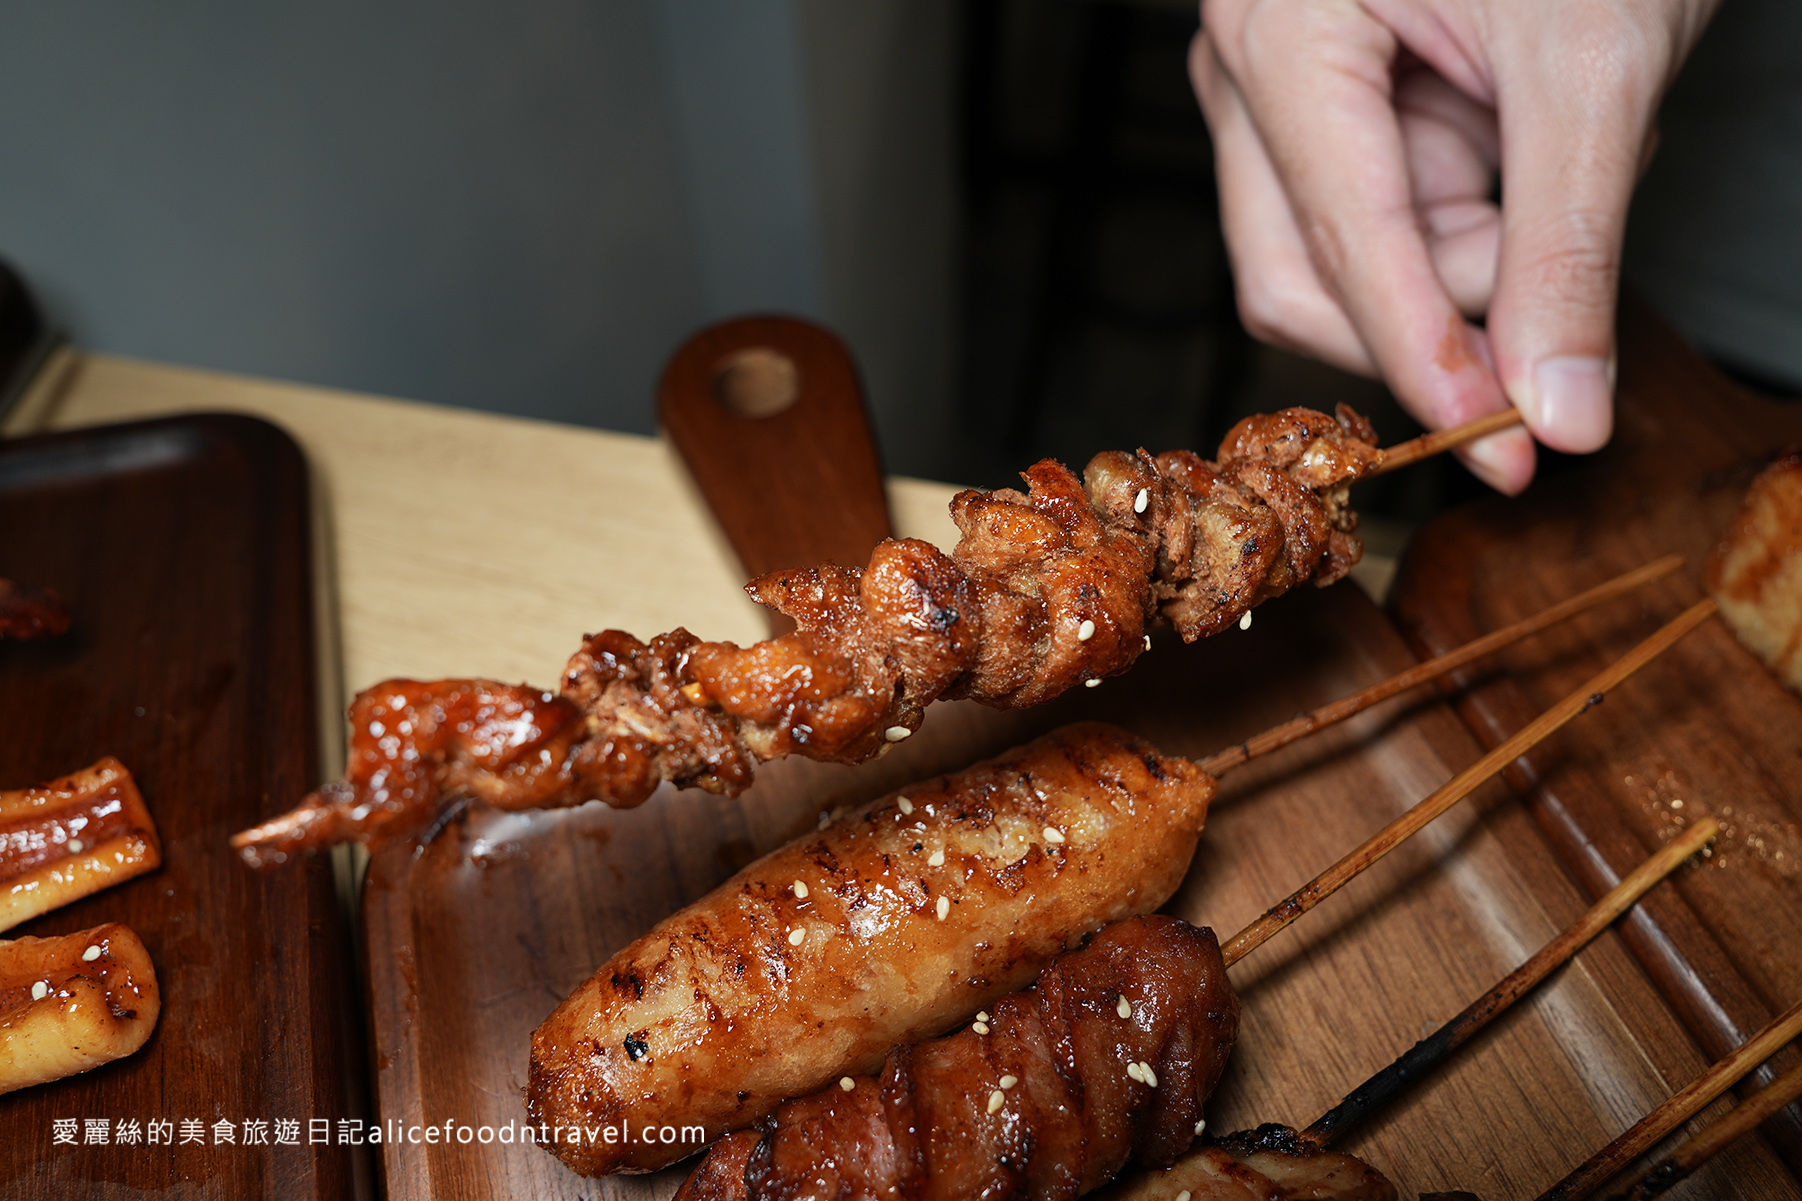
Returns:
(1271, 310)
(1223, 24)
(1615, 59)
(1580, 263)
(1327, 243)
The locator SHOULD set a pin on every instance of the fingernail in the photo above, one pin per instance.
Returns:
(1504, 461)
(1572, 406)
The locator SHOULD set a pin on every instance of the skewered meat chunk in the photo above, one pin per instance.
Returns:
(1111, 1055)
(72, 1003)
(27, 612)
(912, 912)
(1047, 588)
(1756, 571)
(1271, 1163)
(70, 838)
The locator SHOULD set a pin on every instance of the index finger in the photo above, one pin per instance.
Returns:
(1317, 83)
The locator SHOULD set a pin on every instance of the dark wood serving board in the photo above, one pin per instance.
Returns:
(471, 943)
(1709, 731)
(182, 546)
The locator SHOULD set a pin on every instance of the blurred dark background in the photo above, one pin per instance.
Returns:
(1005, 207)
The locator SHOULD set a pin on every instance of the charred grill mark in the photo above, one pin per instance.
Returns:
(991, 621)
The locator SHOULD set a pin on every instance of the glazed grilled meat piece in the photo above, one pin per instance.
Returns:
(1110, 1056)
(27, 612)
(1047, 589)
(1756, 571)
(73, 1002)
(70, 837)
(914, 911)
(1271, 1163)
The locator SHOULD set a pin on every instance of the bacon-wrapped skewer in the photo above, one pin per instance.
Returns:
(1046, 589)
(1111, 1054)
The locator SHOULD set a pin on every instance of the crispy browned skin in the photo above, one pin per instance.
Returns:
(1047, 589)
(71, 1003)
(717, 1015)
(1755, 573)
(27, 612)
(1271, 1163)
(1037, 1102)
(71, 837)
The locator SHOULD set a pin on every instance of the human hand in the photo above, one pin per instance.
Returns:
(1357, 147)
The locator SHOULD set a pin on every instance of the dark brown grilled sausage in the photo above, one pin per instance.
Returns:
(1111, 1055)
(715, 1017)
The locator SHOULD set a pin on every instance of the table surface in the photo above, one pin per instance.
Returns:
(460, 543)
(457, 543)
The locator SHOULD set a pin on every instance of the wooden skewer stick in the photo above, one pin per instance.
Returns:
(1431, 1051)
(1428, 445)
(1307, 723)
(1741, 1120)
(1683, 1105)
(1461, 785)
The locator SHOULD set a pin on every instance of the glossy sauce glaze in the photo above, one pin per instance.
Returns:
(73, 1002)
(1111, 1055)
(1048, 589)
(72, 837)
(911, 913)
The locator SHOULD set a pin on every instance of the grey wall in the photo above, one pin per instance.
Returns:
(514, 207)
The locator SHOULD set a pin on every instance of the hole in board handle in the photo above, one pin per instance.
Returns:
(757, 381)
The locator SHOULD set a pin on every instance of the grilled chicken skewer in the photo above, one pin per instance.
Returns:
(1048, 588)
(910, 619)
(896, 919)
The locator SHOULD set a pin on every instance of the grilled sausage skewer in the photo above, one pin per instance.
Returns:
(893, 923)
(860, 1145)
(1112, 1053)
(943, 1119)
(898, 918)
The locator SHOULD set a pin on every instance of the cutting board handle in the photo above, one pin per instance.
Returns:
(769, 416)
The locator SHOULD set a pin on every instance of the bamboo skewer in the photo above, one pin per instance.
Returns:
(1429, 1052)
(1651, 1129)
(1307, 723)
(1461, 785)
(1435, 1048)
(1740, 1121)
(1430, 444)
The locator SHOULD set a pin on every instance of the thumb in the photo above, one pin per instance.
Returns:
(1575, 111)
